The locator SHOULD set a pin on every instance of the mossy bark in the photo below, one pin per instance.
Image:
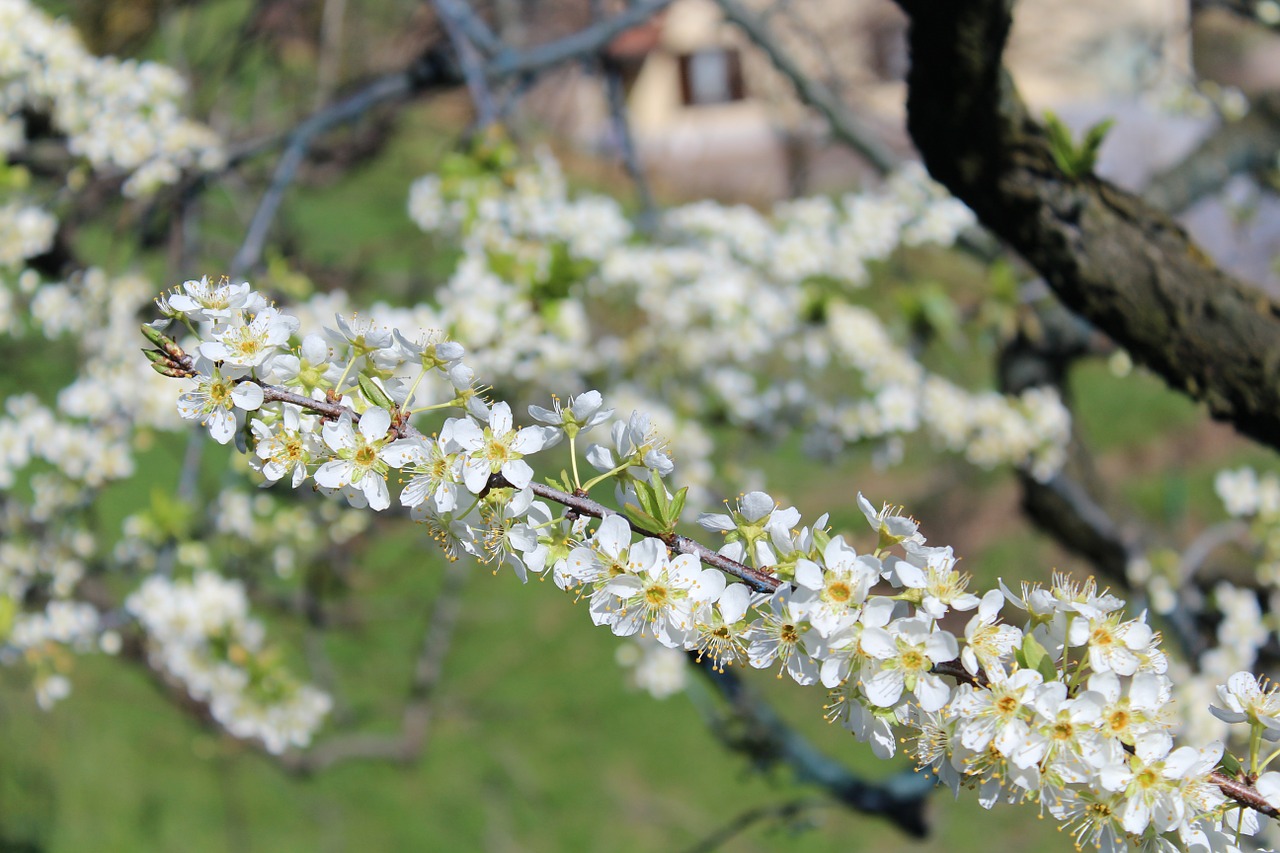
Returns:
(1118, 262)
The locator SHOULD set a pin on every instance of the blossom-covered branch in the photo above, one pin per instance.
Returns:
(1072, 710)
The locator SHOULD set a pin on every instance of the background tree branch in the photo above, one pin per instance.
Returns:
(1124, 266)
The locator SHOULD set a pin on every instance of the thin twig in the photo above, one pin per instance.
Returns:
(618, 118)
(1209, 540)
(407, 746)
(844, 125)
(584, 43)
(471, 24)
(744, 820)
(470, 60)
(386, 89)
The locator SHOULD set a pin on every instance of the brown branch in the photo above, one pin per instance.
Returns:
(757, 731)
(1124, 266)
(746, 819)
(415, 724)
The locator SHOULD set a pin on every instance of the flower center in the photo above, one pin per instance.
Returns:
(1147, 778)
(220, 392)
(839, 592)
(497, 450)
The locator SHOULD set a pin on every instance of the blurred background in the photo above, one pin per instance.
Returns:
(528, 730)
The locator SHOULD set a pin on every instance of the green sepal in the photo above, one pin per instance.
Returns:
(1231, 765)
(562, 484)
(658, 490)
(373, 393)
(164, 369)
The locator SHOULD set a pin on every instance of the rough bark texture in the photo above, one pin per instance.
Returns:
(1121, 264)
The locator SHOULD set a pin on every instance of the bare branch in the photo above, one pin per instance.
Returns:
(386, 89)
(584, 43)
(469, 58)
(648, 219)
(431, 69)
(415, 725)
(769, 741)
(471, 25)
(744, 820)
(1069, 507)
(844, 125)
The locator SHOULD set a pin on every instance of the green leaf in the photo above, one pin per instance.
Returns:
(1094, 136)
(677, 507)
(1032, 655)
(1075, 160)
(373, 393)
(8, 612)
(644, 494)
(1230, 764)
(640, 518)
(660, 498)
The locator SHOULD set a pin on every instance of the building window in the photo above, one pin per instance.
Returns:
(712, 76)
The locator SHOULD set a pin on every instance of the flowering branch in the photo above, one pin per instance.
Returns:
(1069, 711)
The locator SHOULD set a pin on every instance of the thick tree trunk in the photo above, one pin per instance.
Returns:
(1121, 264)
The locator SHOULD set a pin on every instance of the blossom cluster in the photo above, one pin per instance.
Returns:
(121, 119)
(758, 317)
(204, 638)
(56, 455)
(118, 115)
(1068, 705)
